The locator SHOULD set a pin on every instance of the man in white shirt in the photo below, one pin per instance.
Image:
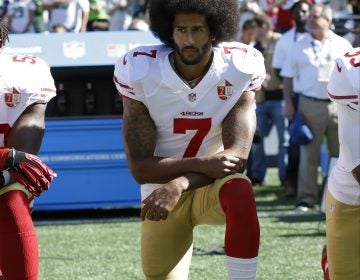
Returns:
(300, 12)
(311, 62)
(343, 193)
(72, 14)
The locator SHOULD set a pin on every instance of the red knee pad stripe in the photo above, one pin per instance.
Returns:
(242, 236)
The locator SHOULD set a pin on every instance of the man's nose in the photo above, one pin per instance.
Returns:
(189, 38)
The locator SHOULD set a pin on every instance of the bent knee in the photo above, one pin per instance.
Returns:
(237, 192)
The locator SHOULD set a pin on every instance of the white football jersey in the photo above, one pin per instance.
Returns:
(24, 80)
(189, 120)
(344, 89)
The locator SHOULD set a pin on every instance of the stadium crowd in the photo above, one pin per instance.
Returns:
(29, 16)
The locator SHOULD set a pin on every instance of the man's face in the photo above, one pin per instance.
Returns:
(317, 21)
(301, 13)
(191, 37)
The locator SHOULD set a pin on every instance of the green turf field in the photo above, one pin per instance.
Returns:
(107, 248)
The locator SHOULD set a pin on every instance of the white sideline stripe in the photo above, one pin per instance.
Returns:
(281, 214)
(85, 221)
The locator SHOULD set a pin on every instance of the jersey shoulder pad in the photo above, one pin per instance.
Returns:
(347, 70)
(344, 82)
(245, 58)
(136, 64)
(25, 67)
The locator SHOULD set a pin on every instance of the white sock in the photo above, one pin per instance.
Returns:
(241, 268)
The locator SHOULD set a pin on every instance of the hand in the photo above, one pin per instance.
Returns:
(219, 166)
(289, 110)
(29, 170)
(160, 202)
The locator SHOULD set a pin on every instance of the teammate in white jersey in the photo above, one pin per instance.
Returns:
(188, 124)
(26, 86)
(343, 195)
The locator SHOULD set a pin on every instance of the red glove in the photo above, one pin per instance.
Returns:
(27, 169)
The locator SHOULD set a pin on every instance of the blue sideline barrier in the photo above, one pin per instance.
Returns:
(89, 159)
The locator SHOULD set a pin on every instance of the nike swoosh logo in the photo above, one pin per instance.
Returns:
(338, 67)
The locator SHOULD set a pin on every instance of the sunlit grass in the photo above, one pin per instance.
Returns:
(108, 249)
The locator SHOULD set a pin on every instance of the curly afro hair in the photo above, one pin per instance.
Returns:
(222, 17)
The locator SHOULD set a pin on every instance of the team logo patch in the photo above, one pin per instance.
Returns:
(12, 99)
(192, 97)
(224, 90)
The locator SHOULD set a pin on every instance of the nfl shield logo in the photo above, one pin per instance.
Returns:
(224, 90)
(192, 97)
(12, 99)
(74, 49)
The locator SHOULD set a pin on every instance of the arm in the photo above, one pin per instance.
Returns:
(30, 126)
(237, 134)
(25, 138)
(84, 20)
(139, 134)
(277, 73)
(238, 131)
(288, 91)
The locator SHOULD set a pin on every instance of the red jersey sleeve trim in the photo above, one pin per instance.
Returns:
(345, 97)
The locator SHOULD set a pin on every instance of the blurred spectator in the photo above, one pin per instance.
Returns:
(98, 16)
(352, 24)
(248, 10)
(339, 5)
(120, 14)
(300, 12)
(284, 17)
(271, 8)
(20, 16)
(354, 36)
(311, 61)
(248, 32)
(73, 14)
(140, 9)
(38, 21)
(269, 107)
(3, 7)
